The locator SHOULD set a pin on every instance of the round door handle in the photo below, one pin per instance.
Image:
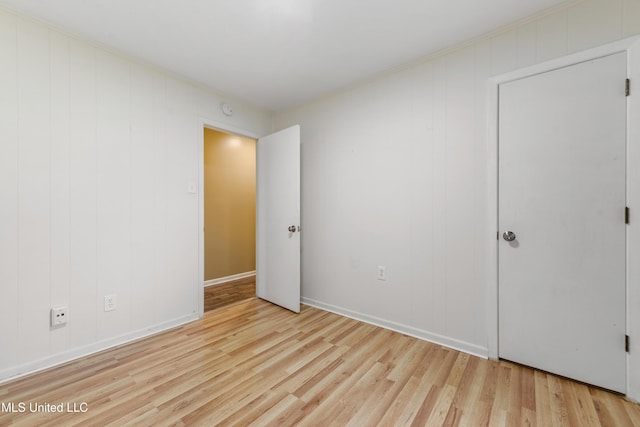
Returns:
(509, 236)
(292, 228)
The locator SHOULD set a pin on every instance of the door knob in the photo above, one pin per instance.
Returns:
(509, 236)
(292, 228)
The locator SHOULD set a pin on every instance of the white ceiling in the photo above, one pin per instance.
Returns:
(278, 53)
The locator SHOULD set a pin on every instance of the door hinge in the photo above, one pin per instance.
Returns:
(497, 235)
(626, 215)
(627, 87)
(626, 343)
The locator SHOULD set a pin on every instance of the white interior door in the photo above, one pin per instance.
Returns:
(562, 190)
(278, 218)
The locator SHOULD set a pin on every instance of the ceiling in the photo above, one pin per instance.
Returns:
(276, 54)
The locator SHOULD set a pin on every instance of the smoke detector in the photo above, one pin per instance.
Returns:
(227, 109)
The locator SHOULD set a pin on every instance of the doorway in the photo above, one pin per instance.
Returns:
(562, 243)
(277, 214)
(229, 189)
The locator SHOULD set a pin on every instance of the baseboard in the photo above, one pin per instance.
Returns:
(463, 346)
(229, 278)
(15, 372)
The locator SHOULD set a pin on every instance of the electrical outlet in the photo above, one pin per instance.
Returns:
(59, 316)
(110, 302)
(382, 272)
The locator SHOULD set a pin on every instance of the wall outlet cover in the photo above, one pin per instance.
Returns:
(59, 316)
(110, 302)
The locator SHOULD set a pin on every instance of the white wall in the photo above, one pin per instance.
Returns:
(394, 172)
(96, 152)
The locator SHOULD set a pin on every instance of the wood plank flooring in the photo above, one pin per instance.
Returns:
(216, 296)
(253, 363)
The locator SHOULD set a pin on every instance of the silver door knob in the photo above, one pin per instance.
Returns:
(509, 236)
(292, 228)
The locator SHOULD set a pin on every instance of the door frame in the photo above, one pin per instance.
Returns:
(632, 48)
(223, 127)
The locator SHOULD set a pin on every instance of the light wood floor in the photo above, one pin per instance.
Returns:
(216, 296)
(256, 363)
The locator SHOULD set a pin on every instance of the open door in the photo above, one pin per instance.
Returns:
(278, 218)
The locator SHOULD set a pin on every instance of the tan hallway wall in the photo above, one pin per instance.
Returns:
(229, 204)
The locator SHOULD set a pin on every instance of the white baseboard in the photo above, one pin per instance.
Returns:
(229, 278)
(87, 350)
(463, 346)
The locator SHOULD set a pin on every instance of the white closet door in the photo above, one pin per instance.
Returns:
(562, 190)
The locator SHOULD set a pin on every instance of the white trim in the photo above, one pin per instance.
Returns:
(463, 346)
(632, 47)
(29, 368)
(492, 215)
(633, 229)
(566, 61)
(224, 127)
(211, 124)
(231, 278)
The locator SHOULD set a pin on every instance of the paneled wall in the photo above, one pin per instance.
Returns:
(96, 155)
(394, 173)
